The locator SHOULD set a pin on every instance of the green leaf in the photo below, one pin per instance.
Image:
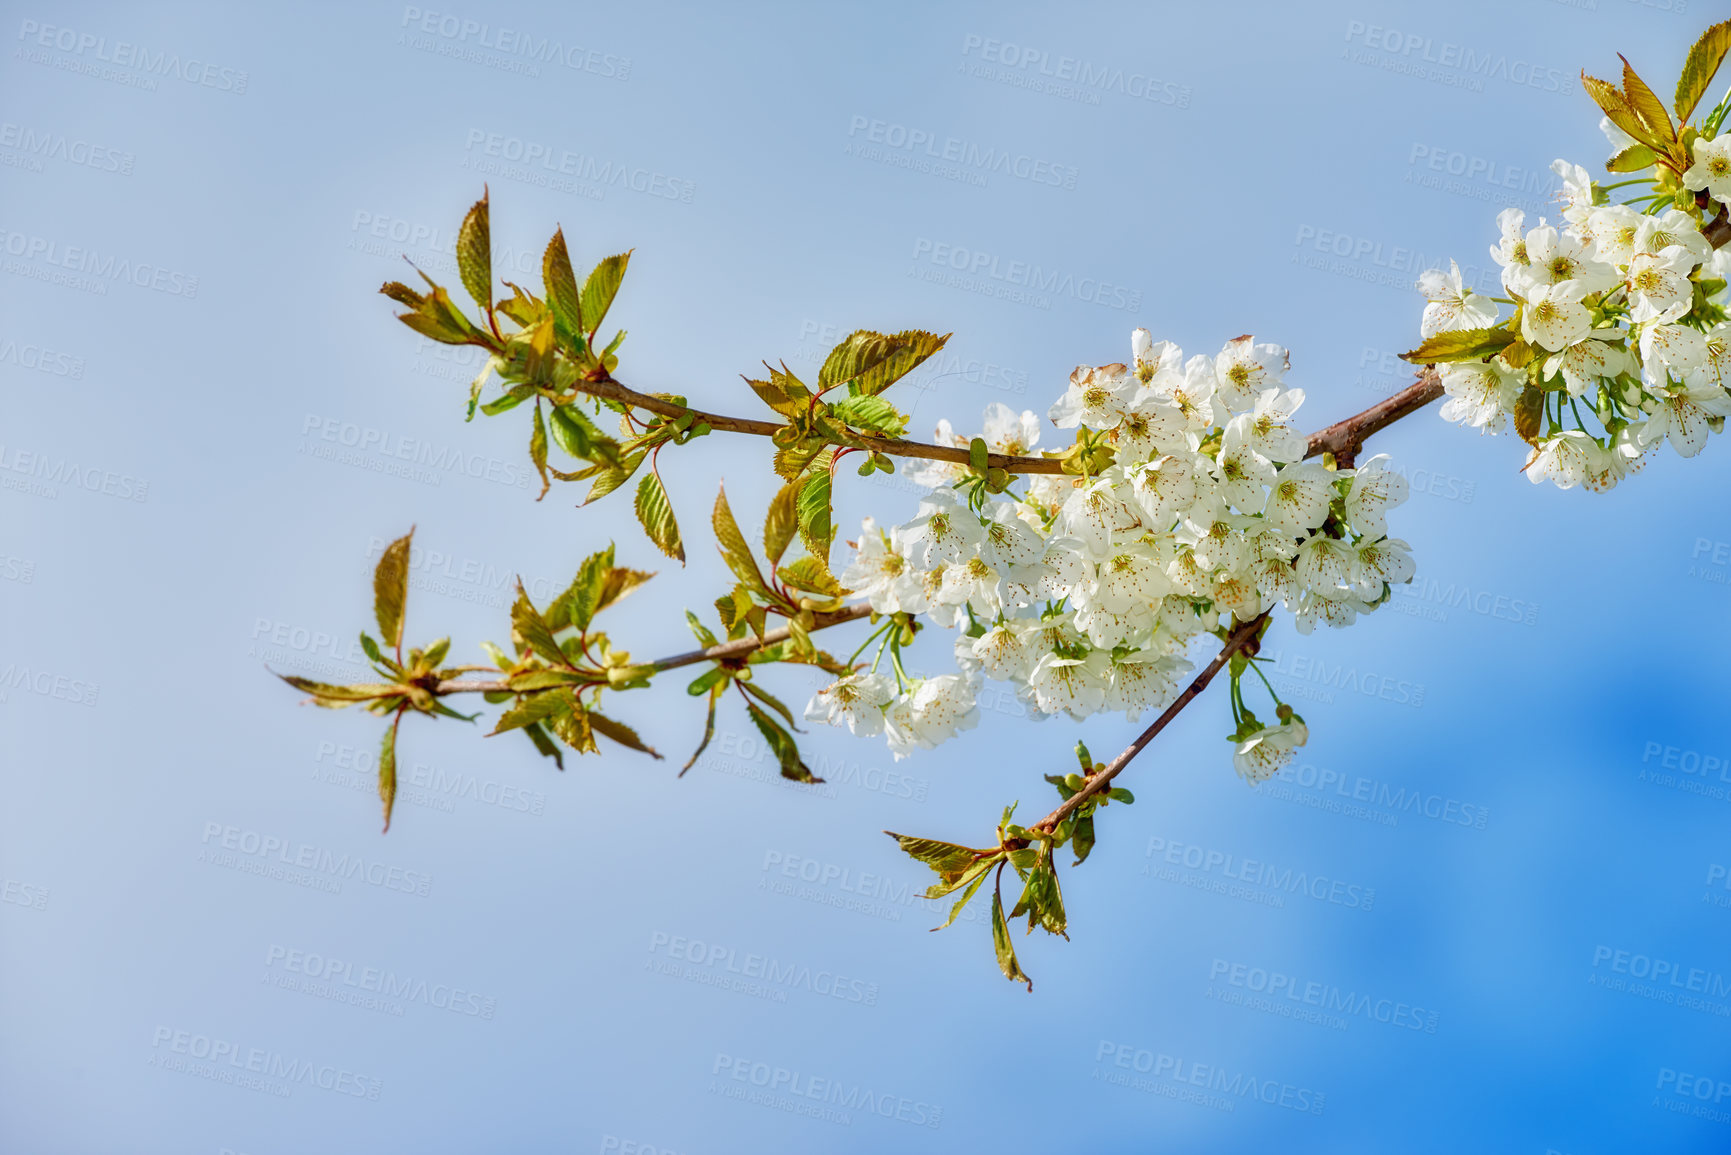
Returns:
(336, 697)
(701, 631)
(371, 649)
(538, 451)
(402, 294)
(979, 455)
(545, 745)
(876, 361)
(610, 479)
(512, 398)
(475, 255)
(618, 583)
(1616, 107)
(816, 527)
(811, 575)
(715, 692)
(1632, 159)
(1460, 345)
(947, 858)
(529, 680)
(656, 514)
(600, 288)
(388, 770)
(1082, 842)
(574, 432)
(391, 589)
(871, 414)
(572, 728)
(1699, 69)
(770, 700)
(972, 879)
(1529, 413)
(620, 733)
(791, 460)
(535, 708)
(782, 743)
(436, 653)
(528, 626)
(560, 283)
(1645, 104)
(781, 523)
(734, 548)
(1001, 944)
(581, 601)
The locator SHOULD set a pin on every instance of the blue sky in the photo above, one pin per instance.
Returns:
(1511, 923)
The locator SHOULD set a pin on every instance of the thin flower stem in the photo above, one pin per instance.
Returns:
(1266, 682)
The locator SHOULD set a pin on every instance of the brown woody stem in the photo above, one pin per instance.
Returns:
(1097, 783)
(611, 390)
(738, 648)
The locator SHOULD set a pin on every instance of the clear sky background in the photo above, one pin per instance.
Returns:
(1513, 806)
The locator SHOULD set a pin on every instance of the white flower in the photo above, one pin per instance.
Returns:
(1242, 473)
(944, 705)
(1299, 498)
(1672, 227)
(1134, 575)
(1006, 542)
(1614, 229)
(1554, 317)
(1096, 514)
(1150, 358)
(1002, 652)
(974, 582)
(1452, 304)
(944, 531)
(1712, 168)
(1680, 414)
(1335, 611)
(1566, 458)
(884, 573)
(1511, 251)
(1258, 757)
(1388, 560)
(1192, 393)
(1064, 564)
(1659, 285)
(1245, 369)
(1481, 395)
(1585, 363)
(1008, 432)
(1375, 489)
(937, 474)
(1557, 258)
(1097, 398)
(1625, 455)
(1619, 139)
(904, 739)
(1672, 353)
(856, 701)
(1326, 564)
(1144, 681)
(1163, 488)
(1271, 433)
(1152, 427)
(1577, 190)
(1077, 686)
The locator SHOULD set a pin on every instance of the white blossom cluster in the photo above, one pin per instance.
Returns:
(1085, 592)
(1622, 328)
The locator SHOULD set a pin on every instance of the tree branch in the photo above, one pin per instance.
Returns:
(1236, 641)
(611, 390)
(1343, 439)
(738, 648)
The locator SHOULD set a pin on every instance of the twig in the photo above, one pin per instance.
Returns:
(738, 648)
